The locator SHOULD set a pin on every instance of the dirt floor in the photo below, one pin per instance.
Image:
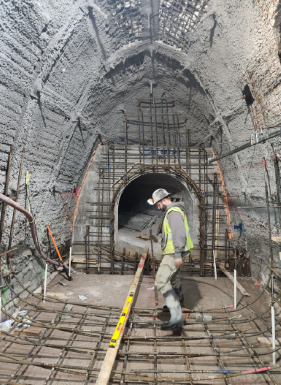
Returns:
(68, 347)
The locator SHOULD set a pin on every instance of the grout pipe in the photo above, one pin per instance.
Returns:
(215, 266)
(273, 320)
(273, 334)
(235, 291)
(70, 250)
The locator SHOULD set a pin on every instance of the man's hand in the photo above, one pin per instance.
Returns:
(178, 262)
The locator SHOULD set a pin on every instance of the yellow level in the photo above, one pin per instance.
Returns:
(122, 319)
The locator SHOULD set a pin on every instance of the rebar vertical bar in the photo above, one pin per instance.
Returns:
(163, 132)
(178, 140)
(126, 147)
(156, 132)
(153, 267)
(87, 248)
(214, 210)
(99, 214)
(187, 166)
(5, 193)
(268, 213)
(168, 131)
(151, 131)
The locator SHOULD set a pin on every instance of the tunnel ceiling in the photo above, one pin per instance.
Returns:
(69, 69)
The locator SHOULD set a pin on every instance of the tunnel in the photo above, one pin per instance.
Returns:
(101, 103)
(137, 216)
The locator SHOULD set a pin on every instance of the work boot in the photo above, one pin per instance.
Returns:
(179, 293)
(177, 320)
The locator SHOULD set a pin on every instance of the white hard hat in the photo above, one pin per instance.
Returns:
(158, 195)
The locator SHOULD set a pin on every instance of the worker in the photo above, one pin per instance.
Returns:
(176, 244)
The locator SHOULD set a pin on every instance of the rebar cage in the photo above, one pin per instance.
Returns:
(156, 140)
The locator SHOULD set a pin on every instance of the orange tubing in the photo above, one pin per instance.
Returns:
(51, 235)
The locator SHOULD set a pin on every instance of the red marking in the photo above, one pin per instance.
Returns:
(257, 370)
(156, 318)
(263, 161)
(140, 265)
(185, 312)
(119, 326)
(143, 257)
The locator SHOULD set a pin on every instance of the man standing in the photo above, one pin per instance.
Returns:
(176, 244)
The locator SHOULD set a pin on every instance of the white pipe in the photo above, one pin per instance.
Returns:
(235, 291)
(45, 281)
(215, 265)
(273, 334)
(70, 250)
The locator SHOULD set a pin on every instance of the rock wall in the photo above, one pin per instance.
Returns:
(69, 68)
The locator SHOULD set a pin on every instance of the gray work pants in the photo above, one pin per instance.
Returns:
(168, 275)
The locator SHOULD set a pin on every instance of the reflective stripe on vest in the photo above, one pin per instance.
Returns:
(169, 245)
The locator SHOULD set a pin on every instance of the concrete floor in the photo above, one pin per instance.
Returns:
(106, 296)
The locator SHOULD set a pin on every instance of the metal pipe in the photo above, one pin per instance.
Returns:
(30, 219)
(263, 139)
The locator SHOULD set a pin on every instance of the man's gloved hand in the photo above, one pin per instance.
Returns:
(178, 262)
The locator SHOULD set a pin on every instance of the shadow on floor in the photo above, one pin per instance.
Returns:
(192, 297)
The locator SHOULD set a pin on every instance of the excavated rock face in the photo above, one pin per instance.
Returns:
(69, 68)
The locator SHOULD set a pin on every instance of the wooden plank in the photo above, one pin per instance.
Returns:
(266, 341)
(27, 332)
(82, 261)
(24, 332)
(276, 239)
(227, 273)
(111, 353)
(56, 294)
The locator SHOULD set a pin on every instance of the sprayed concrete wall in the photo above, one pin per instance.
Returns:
(69, 68)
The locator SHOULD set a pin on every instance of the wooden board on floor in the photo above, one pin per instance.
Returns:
(27, 332)
(276, 239)
(227, 273)
(56, 294)
(109, 360)
(267, 341)
(32, 332)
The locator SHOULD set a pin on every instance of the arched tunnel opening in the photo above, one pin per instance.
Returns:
(136, 217)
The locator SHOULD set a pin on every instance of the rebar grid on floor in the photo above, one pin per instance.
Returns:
(70, 350)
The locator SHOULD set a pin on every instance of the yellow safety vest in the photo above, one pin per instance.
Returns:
(169, 245)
